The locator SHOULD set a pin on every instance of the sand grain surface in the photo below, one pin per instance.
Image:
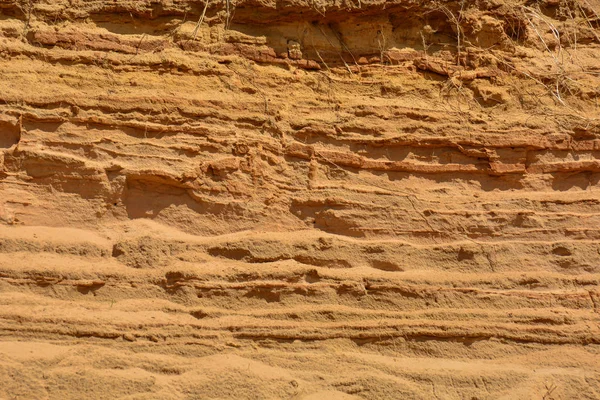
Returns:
(299, 199)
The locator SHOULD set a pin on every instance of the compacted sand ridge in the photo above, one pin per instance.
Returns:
(293, 199)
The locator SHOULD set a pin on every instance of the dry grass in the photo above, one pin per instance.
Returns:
(195, 33)
(557, 39)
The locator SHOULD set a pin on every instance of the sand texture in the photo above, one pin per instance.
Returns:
(292, 199)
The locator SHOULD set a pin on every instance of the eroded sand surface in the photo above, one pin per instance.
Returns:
(300, 199)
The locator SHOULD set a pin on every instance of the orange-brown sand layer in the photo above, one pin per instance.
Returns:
(292, 199)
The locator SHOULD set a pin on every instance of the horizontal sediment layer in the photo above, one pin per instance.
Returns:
(303, 200)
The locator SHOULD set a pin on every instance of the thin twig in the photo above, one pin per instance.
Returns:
(339, 52)
(200, 20)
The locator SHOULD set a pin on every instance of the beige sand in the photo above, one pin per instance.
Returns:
(299, 199)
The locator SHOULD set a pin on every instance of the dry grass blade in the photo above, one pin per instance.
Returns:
(195, 33)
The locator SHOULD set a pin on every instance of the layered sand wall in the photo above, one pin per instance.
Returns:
(286, 199)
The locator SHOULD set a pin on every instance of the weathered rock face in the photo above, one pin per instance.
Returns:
(286, 199)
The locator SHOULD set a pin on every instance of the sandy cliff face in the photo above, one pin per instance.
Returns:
(300, 199)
